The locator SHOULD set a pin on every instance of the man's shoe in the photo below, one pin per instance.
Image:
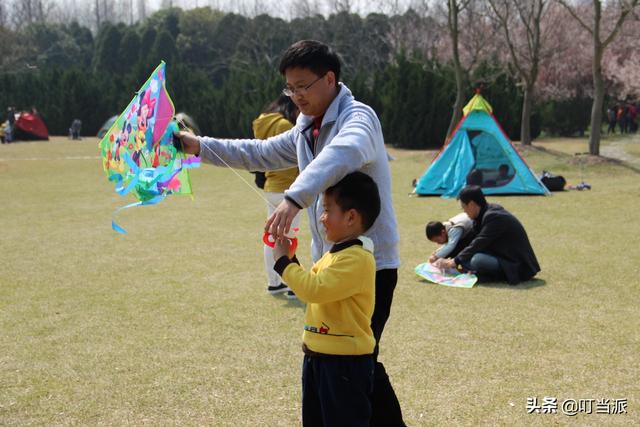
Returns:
(291, 294)
(274, 290)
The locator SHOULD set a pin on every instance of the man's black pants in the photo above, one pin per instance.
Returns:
(385, 405)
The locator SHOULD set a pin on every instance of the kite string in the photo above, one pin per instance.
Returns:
(232, 169)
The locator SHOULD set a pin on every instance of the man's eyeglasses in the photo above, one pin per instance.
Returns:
(301, 90)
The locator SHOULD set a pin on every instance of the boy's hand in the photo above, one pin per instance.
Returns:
(187, 142)
(443, 263)
(281, 248)
(433, 258)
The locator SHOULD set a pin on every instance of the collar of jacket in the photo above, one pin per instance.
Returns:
(331, 115)
(478, 221)
(363, 241)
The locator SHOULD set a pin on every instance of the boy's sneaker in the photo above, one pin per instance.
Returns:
(291, 294)
(274, 290)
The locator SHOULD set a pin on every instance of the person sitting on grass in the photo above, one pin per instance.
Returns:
(338, 342)
(475, 177)
(454, 235)
(500, 250)
(503, 175)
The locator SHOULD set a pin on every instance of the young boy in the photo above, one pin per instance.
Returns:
(454, 235)
(338, 368)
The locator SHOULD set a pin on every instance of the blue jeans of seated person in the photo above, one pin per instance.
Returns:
(486, 266)
(336, 391)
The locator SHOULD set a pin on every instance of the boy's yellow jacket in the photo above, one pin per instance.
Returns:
(340, 294)
(266, 126)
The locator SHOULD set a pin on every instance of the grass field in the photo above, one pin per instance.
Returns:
(172, 325)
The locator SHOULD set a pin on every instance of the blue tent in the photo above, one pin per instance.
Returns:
(480, 144)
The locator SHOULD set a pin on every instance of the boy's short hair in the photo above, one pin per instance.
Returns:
(472, 193)
(357, 191)
(433, 229)
(311, 54)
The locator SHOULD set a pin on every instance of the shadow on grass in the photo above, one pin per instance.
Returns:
(529, 284)
(290, 303)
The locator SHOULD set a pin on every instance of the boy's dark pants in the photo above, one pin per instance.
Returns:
(336, 390)
(385, 405)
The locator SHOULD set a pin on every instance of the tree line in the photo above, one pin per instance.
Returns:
(222, 70)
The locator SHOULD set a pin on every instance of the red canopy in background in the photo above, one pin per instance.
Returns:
(30, 126)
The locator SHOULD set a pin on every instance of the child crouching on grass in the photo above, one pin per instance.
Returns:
(337, 372)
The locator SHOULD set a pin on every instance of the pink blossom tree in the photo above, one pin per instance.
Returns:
(621, 63)
(603, 25)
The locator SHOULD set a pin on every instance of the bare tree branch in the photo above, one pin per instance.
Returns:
(575, 15)
(626, 9)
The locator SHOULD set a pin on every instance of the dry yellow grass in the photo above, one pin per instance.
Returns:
(172, 324)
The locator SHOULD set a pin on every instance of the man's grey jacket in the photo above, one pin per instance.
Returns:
(350, 140)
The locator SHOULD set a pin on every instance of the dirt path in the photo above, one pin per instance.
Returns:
(618, 150)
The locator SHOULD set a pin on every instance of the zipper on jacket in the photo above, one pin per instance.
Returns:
(314, 214)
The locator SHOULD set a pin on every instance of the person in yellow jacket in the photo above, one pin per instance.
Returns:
(338, 342)
(277, 118)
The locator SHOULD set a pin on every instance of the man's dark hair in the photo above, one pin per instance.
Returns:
(357, 191)
(433, 229)
(472, 193)
(311, 54)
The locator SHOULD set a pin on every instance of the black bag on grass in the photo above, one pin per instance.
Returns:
(553, 182)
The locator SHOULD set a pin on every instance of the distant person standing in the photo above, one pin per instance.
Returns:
(11, 122)
(611, 119)
(632, 113)
(74, 130)
(621, 116)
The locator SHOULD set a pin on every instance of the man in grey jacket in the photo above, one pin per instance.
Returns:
(334, 135)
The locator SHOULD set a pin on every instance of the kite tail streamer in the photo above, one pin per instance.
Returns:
(149, 202)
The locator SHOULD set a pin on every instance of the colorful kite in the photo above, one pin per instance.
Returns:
(448, 277)
(138, 152)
